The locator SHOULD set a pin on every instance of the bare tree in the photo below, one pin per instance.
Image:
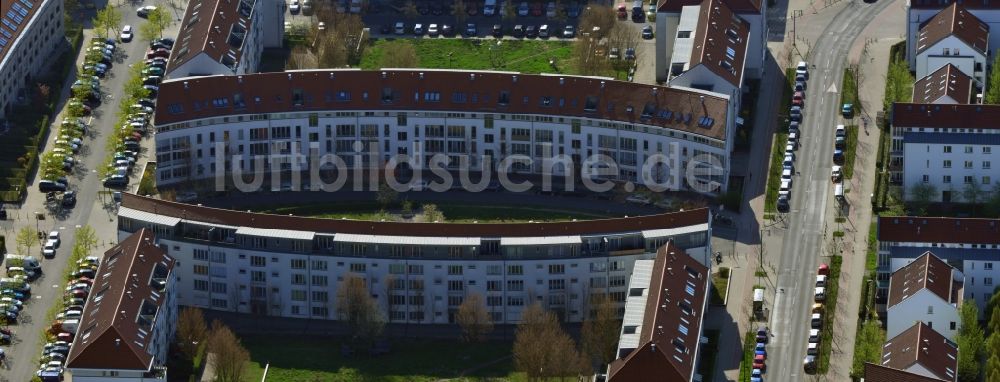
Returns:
(410, 10)
(301, 58)
(600, 16)
(542, 349)
(398, 54)
(191, 331)
(458, 10)
(356, 306)
(600, 329)
(229, 356)
(474, 319)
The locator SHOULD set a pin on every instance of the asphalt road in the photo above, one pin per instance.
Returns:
(804, 241)
(23, 355)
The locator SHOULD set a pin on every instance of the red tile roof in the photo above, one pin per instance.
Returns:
(208, 27)
(915, 229)
(921, 345)
(953, 20)
(442, 90)
(957, 116)
(721, 40)
(319, 225)
(109, 333)
(925, 272)
(947, 81)
(878, 373)
(10, 28)
(738, 6)
(666, 352)
(939, 4)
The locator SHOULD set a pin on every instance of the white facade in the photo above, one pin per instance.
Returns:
(923, 306)
(286, 273)
(977, 265)
(952, 50)
(30, 51)
(950, 162)
(916, 16)
(668, 26)
(473, 134)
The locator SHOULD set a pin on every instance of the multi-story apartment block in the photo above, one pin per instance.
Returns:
(461, 114)
(946, 86)
(953, 36)
(661, 330)
(713, 58)
(918, 354)
(947, 147)
(287, 266)
(926, 290)
(968, 245)
(920, 11)
(129, 319)
(31, 33)
(684, 32)
(225, 37)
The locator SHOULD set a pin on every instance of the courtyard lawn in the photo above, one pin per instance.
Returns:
(307, 359)
(453, 213)
(518, 56)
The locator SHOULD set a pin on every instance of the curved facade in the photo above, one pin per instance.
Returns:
(483, 116)
(420, 272)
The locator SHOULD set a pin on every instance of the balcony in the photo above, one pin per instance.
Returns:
(156, 374)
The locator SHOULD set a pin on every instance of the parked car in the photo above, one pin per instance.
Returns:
(471, 30)
(418, 29)
(126, 34)
(647, 32)
(543, 31)
(638, 199)
(144, 11)
(802, 69)
(569, 32)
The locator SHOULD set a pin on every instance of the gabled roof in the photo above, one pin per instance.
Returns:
(879, 373)
(15, 15)
(948, 81)
(188, 99)
(721, 40)
(916, 229)
(921, 345)
(115, 331)
(948, 116)
(318, 225)
(738, 6)
(925, 272)
(675, 298)
(938, 4)
(217, 28)
(955, 20)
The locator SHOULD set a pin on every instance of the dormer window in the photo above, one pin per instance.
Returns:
(504, 98)
(387, 96)
(297, 99)
(545, 101)
(590, 104)
(238, 100)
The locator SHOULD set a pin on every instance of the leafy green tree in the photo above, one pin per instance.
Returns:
(992, 95)
(972, 193)
(971, 341)
(922, 194)
(26, 238)
(870, 339)
(107, 20)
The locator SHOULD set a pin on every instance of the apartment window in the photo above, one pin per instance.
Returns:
(968, 149)
(320, 296)
(416, 300)
(557, 269)
(599, 266)
(258, 276)
(320, 311)
(515, 270)
(947, 149)
(494, 269)
(947, 51)
(201, 254)
(218, 287)
(986, 180)
(515, 285)
(927, 178)
(986, 165)
(946, 179)
(947, 164)
(456, 285)
(200, 269)
(318, 280)
(298, 279)
(988, 281)
(201, 285)
(319, 265)
(968, 164)
(953, 325)
(557, 284)
(298, 295)
(930, 309)
(454, 270)
(986, 149)
(298, 264)
(218, 257)
(968, 179)
(988, 266)
(494, 285)
(358, 267)
(219, 303)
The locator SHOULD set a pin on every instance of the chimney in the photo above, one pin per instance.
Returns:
(652, 347)
(118, 342)
(185, 85)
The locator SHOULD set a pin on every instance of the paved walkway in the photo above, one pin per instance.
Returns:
(871, 50)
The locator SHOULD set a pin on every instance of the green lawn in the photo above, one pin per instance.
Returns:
(849, 90)
(850, 150)
(519, 56)
(747, 365)
(719, 285)
(306, 360)
(778, 148)
(453, 213)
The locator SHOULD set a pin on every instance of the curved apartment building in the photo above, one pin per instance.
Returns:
(366, 118)
(290, 266)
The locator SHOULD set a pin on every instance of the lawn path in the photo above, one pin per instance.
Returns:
(476, 368)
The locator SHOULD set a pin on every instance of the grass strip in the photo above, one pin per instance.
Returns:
(720, 282)
(829, 312)
(850, 150)
(746, 366)
(778, 145)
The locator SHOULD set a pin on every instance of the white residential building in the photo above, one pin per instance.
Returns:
(130, 317)
(969, 245)
(926, 290)
(677, 22)
(953, 36)
(920, 11)
(661, 330)
(487, 117)
(947, 147)
(219, 37)
(31, 36)
(287, 266)
(917, 354)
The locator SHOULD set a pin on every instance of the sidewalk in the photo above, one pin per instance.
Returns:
(871, 49)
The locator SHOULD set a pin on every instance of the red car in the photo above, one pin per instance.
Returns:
(64, 336)
(157, 53)
(536, 9)
(758, 363)
(823, 270)
(798, 99)
(622, 11)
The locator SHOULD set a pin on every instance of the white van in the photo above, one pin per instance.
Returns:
(838, 192)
